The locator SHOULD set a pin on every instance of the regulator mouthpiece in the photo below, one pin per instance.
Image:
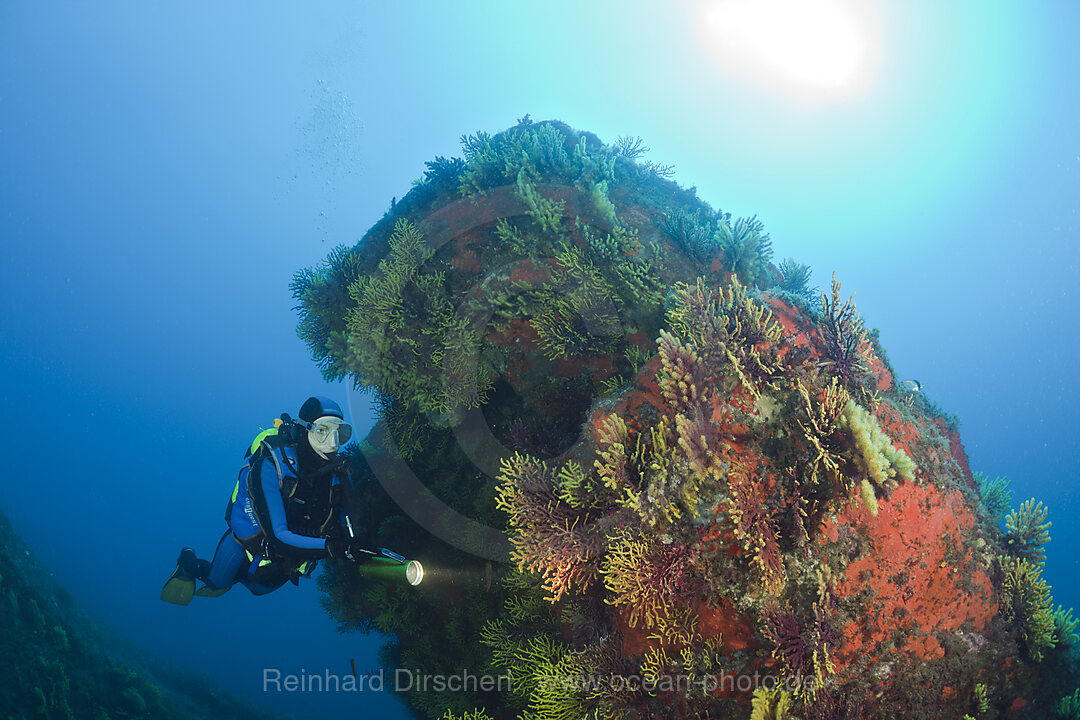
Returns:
(390, 570)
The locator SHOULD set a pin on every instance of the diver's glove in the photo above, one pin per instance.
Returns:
(347, 549)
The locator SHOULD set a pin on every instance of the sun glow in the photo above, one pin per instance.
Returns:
(819, 48)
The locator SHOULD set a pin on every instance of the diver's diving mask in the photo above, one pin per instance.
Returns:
(328, 433)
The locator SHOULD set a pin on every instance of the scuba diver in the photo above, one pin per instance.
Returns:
(288, 511)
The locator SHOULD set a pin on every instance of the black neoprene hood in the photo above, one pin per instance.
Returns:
(316, 407)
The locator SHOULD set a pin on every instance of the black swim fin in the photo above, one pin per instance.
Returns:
(179, 588)
(207, 591)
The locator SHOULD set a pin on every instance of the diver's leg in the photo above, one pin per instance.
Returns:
(229, 556)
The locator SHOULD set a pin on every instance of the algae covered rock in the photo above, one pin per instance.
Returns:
(650, 473)
(61, 663)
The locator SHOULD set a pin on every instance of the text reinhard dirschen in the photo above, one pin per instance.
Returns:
(402, 680)
(408, 680)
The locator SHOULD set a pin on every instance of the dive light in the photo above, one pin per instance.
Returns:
(389, 566)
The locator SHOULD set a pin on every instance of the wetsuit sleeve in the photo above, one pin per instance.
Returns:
(282, 540)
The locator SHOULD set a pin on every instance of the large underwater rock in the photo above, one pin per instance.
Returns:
(656, 475)
(60, 663)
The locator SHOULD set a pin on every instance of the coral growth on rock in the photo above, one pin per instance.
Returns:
(701, 478)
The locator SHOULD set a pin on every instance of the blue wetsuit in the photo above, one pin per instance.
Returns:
(258, 518)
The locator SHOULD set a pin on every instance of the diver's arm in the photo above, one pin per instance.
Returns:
(281, 539)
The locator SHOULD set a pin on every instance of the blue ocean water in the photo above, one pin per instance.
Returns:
(165, 169)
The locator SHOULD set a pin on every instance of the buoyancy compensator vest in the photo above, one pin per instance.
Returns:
(313, 500)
